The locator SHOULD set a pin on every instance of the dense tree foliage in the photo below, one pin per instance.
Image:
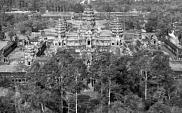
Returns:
(100, 5)
(60, 77)
(126, 73)
(120, 84)
(6, 105)
(161, 22)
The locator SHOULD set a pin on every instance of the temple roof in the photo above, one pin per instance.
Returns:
(72, 34)
(176, 66)
(12, 67)
(3, 44)
(50, 30)
(57, 14)
(105, 33)
(75, 22)
(7, 68)
(16, 55)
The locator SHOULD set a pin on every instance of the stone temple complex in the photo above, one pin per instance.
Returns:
(84, 37)
(90, 36)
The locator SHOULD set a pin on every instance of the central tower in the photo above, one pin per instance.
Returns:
(89, 17)
(61, 29)
(87, 33)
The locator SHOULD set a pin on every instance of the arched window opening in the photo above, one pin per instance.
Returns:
(117, 43)
(29, 63)
(88, 42)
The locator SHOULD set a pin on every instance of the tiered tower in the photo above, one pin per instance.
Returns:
(86, 31)
(89, 17)
(117, 31)
(116, 27)
(61, 29)
(118, 46)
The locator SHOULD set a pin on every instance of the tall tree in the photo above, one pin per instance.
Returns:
(156, 78)
(60, 76)
(102, 71)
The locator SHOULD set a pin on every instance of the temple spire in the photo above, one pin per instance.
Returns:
(89, 17)
(116, 26)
